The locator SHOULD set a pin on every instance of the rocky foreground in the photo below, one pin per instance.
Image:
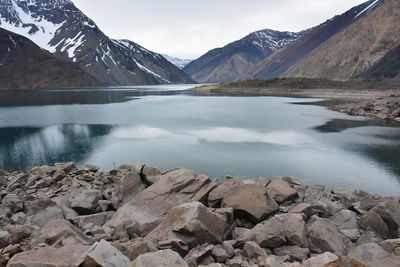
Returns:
(137, 216)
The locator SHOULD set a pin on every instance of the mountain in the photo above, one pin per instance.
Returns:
(387, 68)
(229, 62)
(62, 29)
(180, 63)
(358, 48)
(292, 54)
(23, 64)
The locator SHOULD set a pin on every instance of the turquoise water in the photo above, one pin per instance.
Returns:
(218, 136)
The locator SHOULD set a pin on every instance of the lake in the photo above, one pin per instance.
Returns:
(162, 126)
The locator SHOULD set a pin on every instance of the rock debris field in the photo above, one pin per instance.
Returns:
(137, 216)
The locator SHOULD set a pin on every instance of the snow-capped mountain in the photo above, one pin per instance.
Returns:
(180, 63)
(296, 52)
(229, 62)
(62, 29)
(23, 64)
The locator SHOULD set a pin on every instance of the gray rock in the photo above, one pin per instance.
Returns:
(368, 237)
(87, 222)
(48, 257)
(5, 239)
(251, 202)
(391, 245)
(220, 254)
(372, 255)
(146, 210)
(347, 223)
(13, 202)
(215, 197)
(373, 222)
(324, 236)
(320, 260)
(161, 258)
(295, 253)
(18, 218)
(280, 191)
(126, 188)
(252, 250)
(103, 254)
(58, 233)
(133, 248)
(304, 208)
(281, 229)
(198, 254)
(86, 202)
(192, 223)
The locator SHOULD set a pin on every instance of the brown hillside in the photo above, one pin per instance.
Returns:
(356, 49)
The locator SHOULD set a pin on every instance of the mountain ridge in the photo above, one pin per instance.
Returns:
(357, 48)
(24, 65)
(279, 63)
(62, 29)
(226, 63)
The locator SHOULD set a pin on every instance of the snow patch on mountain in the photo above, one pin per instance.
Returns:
(371, 6)
(37, 29)
(180, 63)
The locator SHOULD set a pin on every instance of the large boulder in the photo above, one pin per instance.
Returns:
(281, 229)
(126, 188)
(48, 257)
(324, 236)
(161, 258)
(58, 233)
(144, 212)
(133, 248)
(41, 209)
(347, 223)
(215, 197)
(372, 255)
(87, 202)
(371, 221)
(190, 223)
(250, 202)
(280, 191)
(102, 254)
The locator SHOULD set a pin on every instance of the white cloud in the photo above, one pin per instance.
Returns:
(187, 28)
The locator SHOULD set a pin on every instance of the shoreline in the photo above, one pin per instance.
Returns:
(382, 103)
(136, 215)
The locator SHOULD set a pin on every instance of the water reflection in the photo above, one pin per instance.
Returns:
(22, 148)
(339, 125)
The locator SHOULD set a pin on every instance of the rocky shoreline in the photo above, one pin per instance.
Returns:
(137, 216)
(387, 108)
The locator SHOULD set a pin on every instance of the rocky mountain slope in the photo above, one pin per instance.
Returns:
(180, 63)
(281, 61)
(387, 68)
(229, 62)
(62, 29)
(357, 48)
(136, 215)
(25, 65)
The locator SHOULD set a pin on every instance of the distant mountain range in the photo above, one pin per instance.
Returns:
(63, 30)
(233, 60)
(180, 63)
(362, 43)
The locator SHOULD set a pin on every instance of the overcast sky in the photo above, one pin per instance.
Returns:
(189, 28)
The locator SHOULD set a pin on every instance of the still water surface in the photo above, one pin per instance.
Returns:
(162, 126)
